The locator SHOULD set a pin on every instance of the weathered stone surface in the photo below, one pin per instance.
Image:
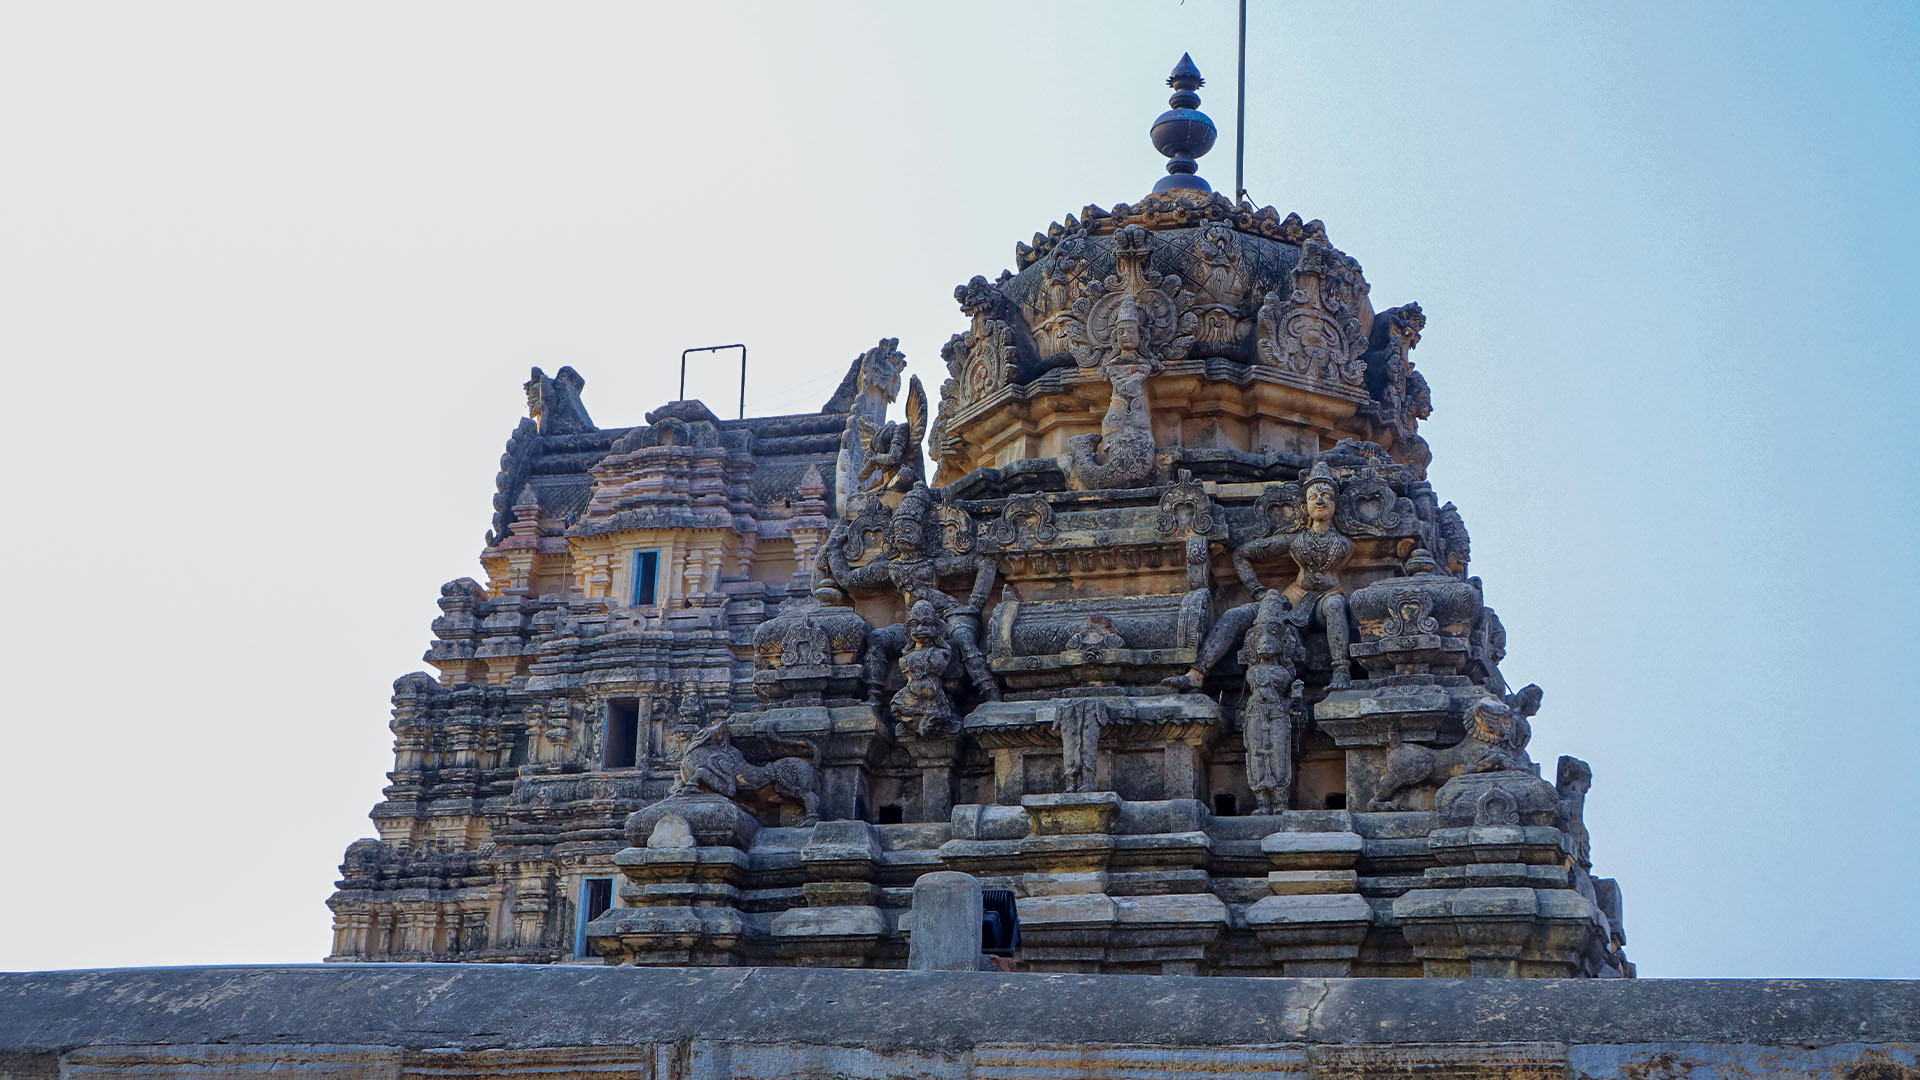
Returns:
(502, 1020)
(946, 922)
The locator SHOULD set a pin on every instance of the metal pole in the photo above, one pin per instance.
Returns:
(716, 348)
(1240, 116)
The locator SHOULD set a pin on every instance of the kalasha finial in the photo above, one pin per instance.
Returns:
(1183, 132)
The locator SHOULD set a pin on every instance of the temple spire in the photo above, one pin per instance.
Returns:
(1183, 132)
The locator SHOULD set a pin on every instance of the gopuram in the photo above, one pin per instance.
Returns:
(1153, 619)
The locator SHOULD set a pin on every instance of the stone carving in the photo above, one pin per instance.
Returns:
(922, 707)
(1136, 315)
(1025, 521)
(1217, 309)
(1153, 388)
(554, 403)
(987, 356)
(912, 566)
(1417, 624)
(1573, 780)
(1401, 396)
(1315, 330)
(1494, 743)
(712, 763)
(870, 385)
(893, 458)
(1096, 640)
(1274, 698)
(1122, 454)
(1078, 724)
(1308, 535)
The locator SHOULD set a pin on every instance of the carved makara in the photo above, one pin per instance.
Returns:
(1315, 331)
(986, 357)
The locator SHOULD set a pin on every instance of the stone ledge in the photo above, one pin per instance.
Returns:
(493, 1007)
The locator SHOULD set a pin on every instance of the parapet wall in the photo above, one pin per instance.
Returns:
(393, 1021)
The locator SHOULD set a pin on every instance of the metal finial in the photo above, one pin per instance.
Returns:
(1183, 132)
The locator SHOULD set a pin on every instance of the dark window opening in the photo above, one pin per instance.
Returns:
(892, 814)
(1225, 806)
(623, 734)
(646, 573)
(596, 896)
(1337, 801)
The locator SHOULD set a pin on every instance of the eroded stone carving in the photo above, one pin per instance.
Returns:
(1273, 702)
(554, 403)
(893, 458)
(1315, 330)
(922, 706)
(1494, 743)
(1307, 535)
(1078, 724)
(712, 763)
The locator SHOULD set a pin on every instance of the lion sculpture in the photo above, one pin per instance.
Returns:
(1495, 742)
(713, 763)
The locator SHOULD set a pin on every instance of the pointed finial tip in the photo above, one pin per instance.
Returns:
(1186, 72)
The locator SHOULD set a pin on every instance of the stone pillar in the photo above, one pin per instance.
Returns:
(946, 922)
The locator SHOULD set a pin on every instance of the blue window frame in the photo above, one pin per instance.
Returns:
(646, 577)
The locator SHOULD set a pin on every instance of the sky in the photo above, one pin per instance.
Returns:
(271, 277)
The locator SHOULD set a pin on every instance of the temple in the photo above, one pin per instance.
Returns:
(1155, 622)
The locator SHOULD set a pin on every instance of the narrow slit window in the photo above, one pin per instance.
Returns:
(646, 577)
(596, 897)
(623, 734)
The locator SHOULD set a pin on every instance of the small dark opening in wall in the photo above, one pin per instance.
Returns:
(599, 897)
(623, 734)
(1225, 806)
(646, 574)
(891, 814)
(1337, 801)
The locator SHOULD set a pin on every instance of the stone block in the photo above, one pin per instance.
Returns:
(1307, 882)
(947, 914)
(1312, 850)
(1071, 813)
(713, 819)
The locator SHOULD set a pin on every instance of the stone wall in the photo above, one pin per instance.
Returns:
(691, 1024)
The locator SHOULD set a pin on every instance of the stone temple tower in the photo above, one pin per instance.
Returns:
(1156, 622)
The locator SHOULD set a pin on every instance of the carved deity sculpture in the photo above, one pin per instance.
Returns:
(894, 459)
(1126, 326)
(922, 706)
(1315, 331)
(912, 563)
(1320, 550)
(1078, 724)
(1270, 654)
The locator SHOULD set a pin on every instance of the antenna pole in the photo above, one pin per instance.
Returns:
(1240, 116)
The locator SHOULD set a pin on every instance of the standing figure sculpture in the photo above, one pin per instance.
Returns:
(922, 706)
(1273, 698)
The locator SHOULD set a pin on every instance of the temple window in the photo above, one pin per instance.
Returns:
(646, 578)
(596, 896)
(623, 734)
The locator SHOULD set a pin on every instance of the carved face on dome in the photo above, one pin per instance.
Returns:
(1320, 502)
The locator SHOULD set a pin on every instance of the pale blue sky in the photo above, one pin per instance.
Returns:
(271, 276)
